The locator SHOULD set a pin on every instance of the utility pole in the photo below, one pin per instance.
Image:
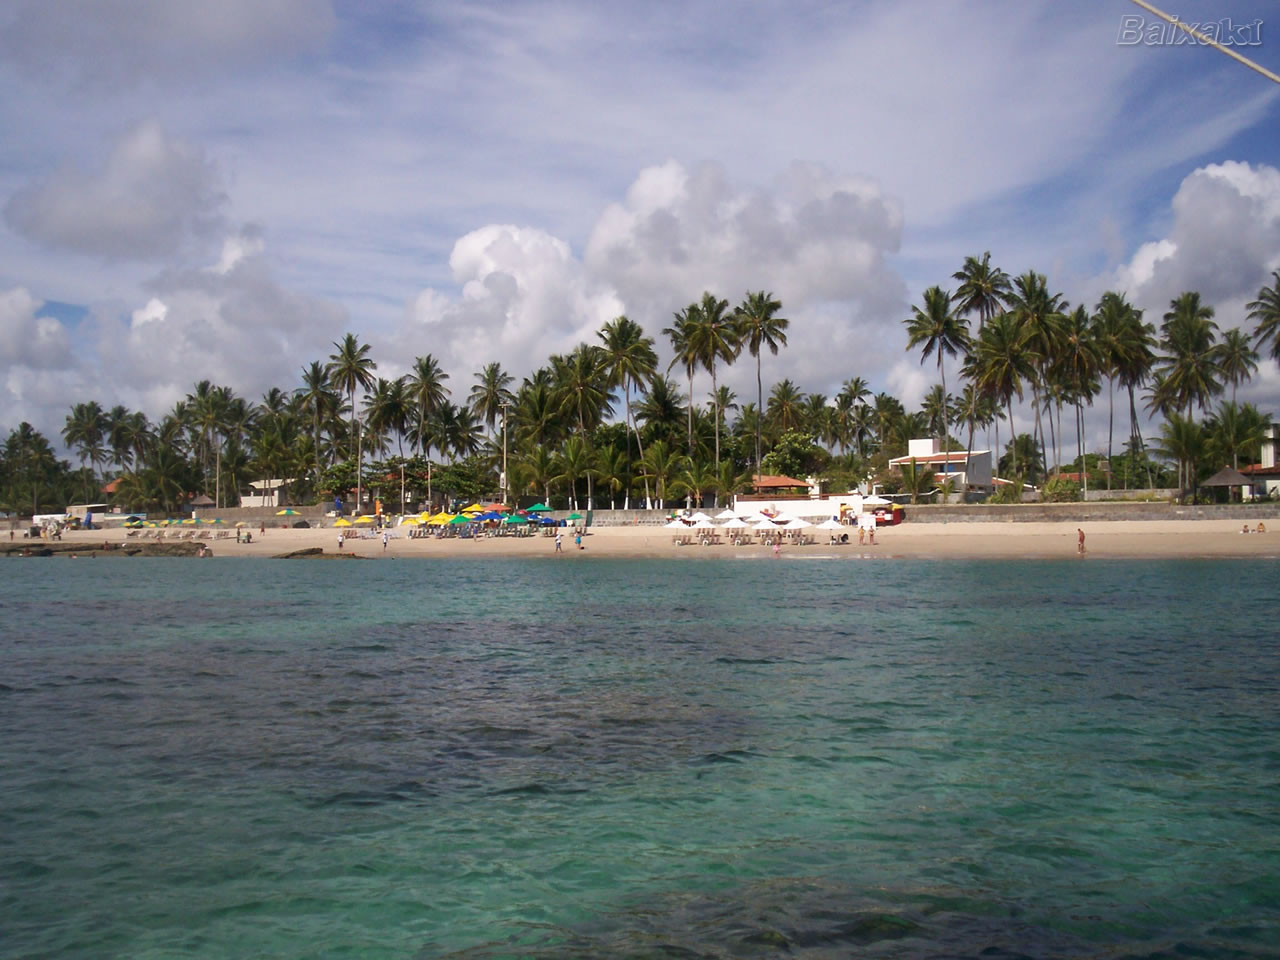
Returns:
(505, 405)
(359, 462)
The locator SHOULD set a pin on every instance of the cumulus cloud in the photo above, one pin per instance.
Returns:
(818, 240)
(524, 295)
(28, 340)
(152, 195)
(122, 41)
(1224, 242)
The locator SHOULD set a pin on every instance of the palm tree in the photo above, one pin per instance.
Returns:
(318, 399)
(1042, 314)
(939, 328)
(351, 367)
(1266, 310)
(491, 391)
(761, 327)
(661, 464)
(1077, 366)
(916, 479)
(582, 389)
(786, 406)
(1184, 440)
(1003, 361)
(85, 430)
(697, 477)
(428, 393)
(886, 410)
(1237, 360)
(630, 361)
(388, 409)
(1191, 366)
(659, 410)
(576, 460)
(983, 291)
(716, 336)
(936, 410)
(684, 344)
(1133, 357)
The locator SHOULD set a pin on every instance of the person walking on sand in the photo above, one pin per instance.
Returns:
(559, 539)
(577, 539)
(384, 542)
(1080, 541)
(777, 548)
(340, 541)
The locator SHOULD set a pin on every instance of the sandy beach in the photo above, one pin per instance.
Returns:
(1120, 538)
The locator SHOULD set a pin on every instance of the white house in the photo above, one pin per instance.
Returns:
(971, 471)
(266, 493)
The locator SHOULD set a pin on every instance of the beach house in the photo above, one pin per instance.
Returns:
(970, 470)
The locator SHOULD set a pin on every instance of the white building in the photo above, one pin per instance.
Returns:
(266, 493)
(971, 471)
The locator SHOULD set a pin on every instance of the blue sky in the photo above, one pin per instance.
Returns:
(219, 191)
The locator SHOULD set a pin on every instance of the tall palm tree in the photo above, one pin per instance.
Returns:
(786, 406)
(761, 327)
(630, 361)
(1237, 360)
(717, 336)
(1003, 361)
(1041, 313)
(582, 389)
(388, 409)
(983, 291)
(662, 465)
(491, 391)
(1077, 365)
(660, 410)
(350, 367)
(937, 327)
(319, 400)
(85, 431)
(1133, 357)
(428, 394)
(1190, 367)
(1266, 310)
(685, 346)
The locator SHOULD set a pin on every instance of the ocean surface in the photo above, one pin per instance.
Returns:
(797, 758)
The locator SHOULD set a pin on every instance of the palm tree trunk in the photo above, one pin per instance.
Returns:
(1111, 420)
(759, 407)
(715, 412)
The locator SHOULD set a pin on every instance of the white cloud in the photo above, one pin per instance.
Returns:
(150, 197)
(1224, 242)
(26, 340)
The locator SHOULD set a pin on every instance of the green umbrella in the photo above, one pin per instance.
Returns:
(287, 512)
(539, 508)
(574, 516)
(516, 519)
(460, 518)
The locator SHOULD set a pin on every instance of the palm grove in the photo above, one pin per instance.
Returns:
(607, 424)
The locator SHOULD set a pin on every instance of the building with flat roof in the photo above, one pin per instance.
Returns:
(971, 470)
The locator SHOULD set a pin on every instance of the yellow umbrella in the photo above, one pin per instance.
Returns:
(342, 522)
(440, 519)
(474, 508)
(241, 523)
(364, 519)
(409, 522)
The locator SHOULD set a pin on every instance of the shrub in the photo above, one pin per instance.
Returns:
(1060, 489)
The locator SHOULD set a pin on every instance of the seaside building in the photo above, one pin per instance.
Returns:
(1264, 477)
(266, 493)
(971, 471)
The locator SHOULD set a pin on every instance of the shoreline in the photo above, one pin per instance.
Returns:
(1129, 539)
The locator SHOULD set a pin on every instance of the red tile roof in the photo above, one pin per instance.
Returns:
(775, 480)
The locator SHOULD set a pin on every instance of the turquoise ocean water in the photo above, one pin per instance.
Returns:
(606, 758)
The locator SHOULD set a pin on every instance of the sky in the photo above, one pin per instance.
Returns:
(220, 191)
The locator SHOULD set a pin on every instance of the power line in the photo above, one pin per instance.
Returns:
(1208, 40)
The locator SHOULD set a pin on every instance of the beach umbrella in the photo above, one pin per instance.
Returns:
(574, 516)
(795, 523)
(765, 524)
(241, 523)
(755, 517)
(547, 521)
(831, 525)
(699, 516)
(409, 521)
(676, 524)
(726, 514)
(874, 501)
(735, 524)
(539, 508)
(440, 519)
(287, 512)
(516, 519)
(473, 508)
(365, 519)
(459, 519)
(342, 522)
(704, 524)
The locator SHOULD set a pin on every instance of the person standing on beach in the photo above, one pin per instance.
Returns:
(577, 539)
(1080, 541)
(340, 541)
(384, 542)
(558, 542)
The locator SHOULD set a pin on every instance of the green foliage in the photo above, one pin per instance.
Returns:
(1008, 492)
(467, 479)
(1060, 489)
(796, 455)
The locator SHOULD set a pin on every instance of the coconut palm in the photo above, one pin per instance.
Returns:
(351, 367)
(761, 327)
(582, 391)
(1183, 440)
(1190, 367)
(1003, 361)
(1076, 368)
(85, 431)
(716, 337)
(786, 406)
(630, 361)
(428, 393)
(1041, 313)
(318, 400)
(685, 346)
(491, 391)
(935, 326)
(1237, 360)
(661, 464)
(1266, 310)
(388, 410)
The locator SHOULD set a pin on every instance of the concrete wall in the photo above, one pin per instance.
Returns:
(1105, 494)
(1082, 512)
